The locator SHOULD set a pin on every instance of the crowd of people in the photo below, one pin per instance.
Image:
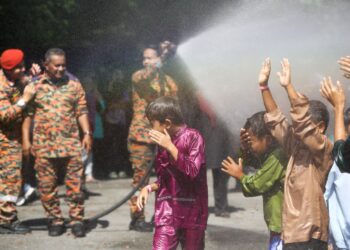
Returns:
(295, 159)
(52, 120)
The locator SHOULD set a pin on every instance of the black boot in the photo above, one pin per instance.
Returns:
(14, 228)
(78, 229)
(56, 230)
(140, 226)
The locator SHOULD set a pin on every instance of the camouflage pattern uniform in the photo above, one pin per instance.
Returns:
(10, 149)
(56, 144)
(148, 84)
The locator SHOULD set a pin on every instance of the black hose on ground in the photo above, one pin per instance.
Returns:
(122, 201)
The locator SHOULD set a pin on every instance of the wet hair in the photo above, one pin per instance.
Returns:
(257, 126)
(319, 112)
(154, 47)
(347, 117)
(54, 51)
(163, 108)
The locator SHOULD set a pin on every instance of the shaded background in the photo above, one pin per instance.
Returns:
(99, 32)
(223, 41)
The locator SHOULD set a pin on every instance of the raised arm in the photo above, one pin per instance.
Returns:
(264, 75)
(285, 80)
(336, 97)
(344, 63)
(274, 119)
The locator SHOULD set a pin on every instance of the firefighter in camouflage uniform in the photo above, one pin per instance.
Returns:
(12, 103)
(59, 105)
(148, 84)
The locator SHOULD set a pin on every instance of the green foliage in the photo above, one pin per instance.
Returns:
(35, 23)
(90, 23)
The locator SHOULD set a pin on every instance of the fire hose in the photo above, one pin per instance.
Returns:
(122, 201)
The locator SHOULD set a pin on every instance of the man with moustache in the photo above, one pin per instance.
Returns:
(56, 110)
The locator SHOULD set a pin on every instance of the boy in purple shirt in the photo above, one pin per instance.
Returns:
(181, 207)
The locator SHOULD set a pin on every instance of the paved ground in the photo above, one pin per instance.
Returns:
(244, 230)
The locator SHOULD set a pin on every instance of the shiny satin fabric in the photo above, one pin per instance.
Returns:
(168, 238)
(182, 198)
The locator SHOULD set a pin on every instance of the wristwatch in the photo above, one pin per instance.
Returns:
(87, 133)
(21, 103)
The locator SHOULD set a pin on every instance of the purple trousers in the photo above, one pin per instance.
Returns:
(168, 237)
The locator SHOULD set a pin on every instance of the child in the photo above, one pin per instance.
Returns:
(268, 181)
(338, 183)
(181, 208)
(305, 215)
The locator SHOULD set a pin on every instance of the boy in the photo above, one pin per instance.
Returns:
(305, 215)
(181, 208)
(268, 181)
(338, 183)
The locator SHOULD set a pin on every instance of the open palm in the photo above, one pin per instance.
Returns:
(285, 76)
(265, 72)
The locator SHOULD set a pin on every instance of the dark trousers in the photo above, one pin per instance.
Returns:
(220, 180)
(99, 158)
(116, 148)
(309, 245)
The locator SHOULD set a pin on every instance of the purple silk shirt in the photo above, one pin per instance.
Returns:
(182, 197)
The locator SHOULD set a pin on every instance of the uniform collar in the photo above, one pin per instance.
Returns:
(62, 81)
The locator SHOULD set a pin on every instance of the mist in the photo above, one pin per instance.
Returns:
(224, 60)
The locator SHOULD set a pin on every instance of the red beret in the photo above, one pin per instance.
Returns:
(10, 58)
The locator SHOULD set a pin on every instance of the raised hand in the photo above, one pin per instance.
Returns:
(161, 139)
(265, 72)
(230, 167)
(245, 139)
(35, 69)
(285, 75)
(344, 63)
(333, 94)
(168, 49)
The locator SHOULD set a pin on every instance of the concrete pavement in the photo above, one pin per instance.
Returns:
(244, 230)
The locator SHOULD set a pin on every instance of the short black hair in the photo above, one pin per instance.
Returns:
(54, 51)
(347, 117)
(154, 47)
(319, 112)
(257, 126)
(163, 108)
